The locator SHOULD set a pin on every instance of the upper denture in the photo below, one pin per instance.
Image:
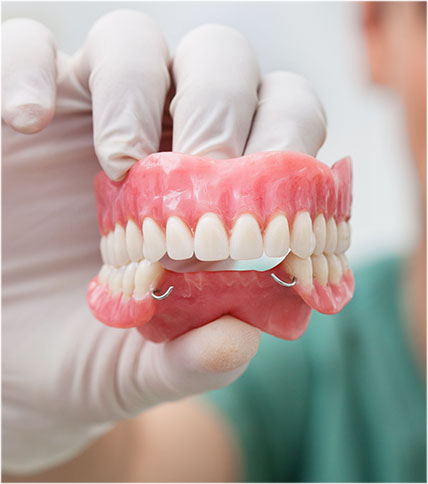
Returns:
(187, 187)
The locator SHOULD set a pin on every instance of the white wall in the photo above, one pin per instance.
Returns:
(322, 41)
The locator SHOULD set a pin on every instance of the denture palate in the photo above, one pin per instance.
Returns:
(316, 248)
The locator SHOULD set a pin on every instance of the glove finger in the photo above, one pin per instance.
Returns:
(289, 116)
(125, 64)
(216, 75)
(28, 75)
(203, 359)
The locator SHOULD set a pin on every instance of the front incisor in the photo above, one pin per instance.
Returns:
(211, 241)
(246, 240)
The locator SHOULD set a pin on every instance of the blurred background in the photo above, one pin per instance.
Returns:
(323, 42)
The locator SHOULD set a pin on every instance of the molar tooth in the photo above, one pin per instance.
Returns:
(344, 261)
(134, 241)
(246, 240)
(111, 257)
(121, 255)
(103, 275)
(179, 240)
(320, 234)
(331, 237)
(154, 246)
(320, 269)
(211, 241)
(343, 237)
(277, 237)
(300, 268)
(103, 249)
(115, 280)
(334, 269)
(301, 240)
(128, 279)
(146, 276)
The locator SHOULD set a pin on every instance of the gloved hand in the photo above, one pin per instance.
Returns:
(66, 377)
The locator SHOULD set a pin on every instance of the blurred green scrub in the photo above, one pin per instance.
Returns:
(346, 402)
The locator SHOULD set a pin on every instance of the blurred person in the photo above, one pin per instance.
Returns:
(346, 402)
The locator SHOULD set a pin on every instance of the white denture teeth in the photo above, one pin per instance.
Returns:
(129, 279)
(335, 270)
(103, 275)
(120, 252)
(115, 280)
(301, 269)
(179, 240)
(319, 228)
(301, 232)
(211, 241)
(134, 241)
(146, 276)
(344, 262)
(276, 238)
(320, 269)
(103, 249)
(312, 250)
(331, 237)
(154, 244)
(246, 239)
(111, 258)
(343, 237)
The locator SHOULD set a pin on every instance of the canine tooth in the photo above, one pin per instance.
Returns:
(246, 240)
(277, 237)
(211, 241)
(344, 261)
(320, 269)
(179, 240)
(121, 255)
(300, 268)
(128, 279)
(146, 276)
(334, 269)
(301, 235)
(331, 237)
(103, 275)
(134, 241)
(319, 229)
(111, 257)
(115, 280)
(154, 246)
(103, 249)
(343, 237)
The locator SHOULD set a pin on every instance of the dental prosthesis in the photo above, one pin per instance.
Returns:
(205, 213)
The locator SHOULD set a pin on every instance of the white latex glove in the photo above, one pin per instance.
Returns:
(66, 377)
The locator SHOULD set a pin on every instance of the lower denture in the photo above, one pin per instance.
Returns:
(174, 203)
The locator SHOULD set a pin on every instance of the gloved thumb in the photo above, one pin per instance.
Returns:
(203, 359)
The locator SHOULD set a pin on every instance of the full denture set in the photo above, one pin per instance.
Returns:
(186, 208)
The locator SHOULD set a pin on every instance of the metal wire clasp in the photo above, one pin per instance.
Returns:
(282, 283)
(161, 296)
